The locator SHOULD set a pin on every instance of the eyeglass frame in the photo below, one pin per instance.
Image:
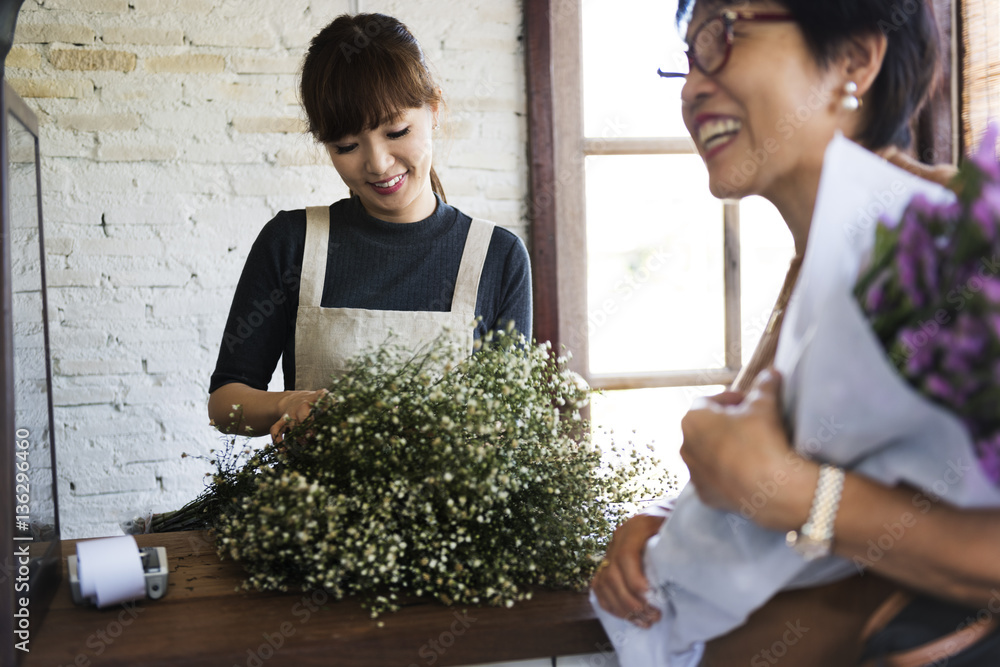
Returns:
(729, 18)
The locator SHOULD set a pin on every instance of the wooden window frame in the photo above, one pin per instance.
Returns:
(557, 152)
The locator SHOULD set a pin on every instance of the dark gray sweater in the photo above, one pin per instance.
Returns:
(371, 264)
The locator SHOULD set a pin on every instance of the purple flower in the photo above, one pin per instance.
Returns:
(988, 450)
(918, 351)
(875, 297)
(929, 267)
(991, 288)
(954, 361)
(951, 213)
(921, 209)
(985, 156)
(970, 335)
(937, 255)
(986, 211)
(906, 265)
(939, 387)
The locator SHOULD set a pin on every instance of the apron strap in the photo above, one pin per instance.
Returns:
(477, 244)
(314, 256)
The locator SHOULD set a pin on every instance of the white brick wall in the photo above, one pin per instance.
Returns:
(171, 133)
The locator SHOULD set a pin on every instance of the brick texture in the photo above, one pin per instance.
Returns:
(100, 122)
(107, 6)
(264, 125)
(138, 35)
(190, 63)
(52, 87)
(87, 60)
(23, 58)
(48, 33)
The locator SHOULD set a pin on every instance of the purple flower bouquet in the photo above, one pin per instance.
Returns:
(932, 297)
(889, 353)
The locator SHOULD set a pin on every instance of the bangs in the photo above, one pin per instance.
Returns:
(360, 88)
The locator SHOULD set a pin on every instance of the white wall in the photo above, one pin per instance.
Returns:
(171, 133)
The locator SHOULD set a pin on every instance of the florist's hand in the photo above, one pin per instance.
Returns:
(740, 459)
(619, 583)
(295, 407)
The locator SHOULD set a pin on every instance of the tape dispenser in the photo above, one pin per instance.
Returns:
(112, 570)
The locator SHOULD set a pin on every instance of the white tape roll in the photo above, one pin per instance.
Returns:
(110, 570)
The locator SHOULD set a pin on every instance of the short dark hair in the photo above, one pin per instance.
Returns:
(911, 66)
(361, 72)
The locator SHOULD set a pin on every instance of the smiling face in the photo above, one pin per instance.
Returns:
(762, 122)
(389, 167)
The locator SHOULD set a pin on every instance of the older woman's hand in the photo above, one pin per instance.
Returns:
(741, 461)
(619, 583)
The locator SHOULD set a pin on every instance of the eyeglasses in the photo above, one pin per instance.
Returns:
(712, 42)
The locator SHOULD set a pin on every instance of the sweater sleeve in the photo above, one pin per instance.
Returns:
(261, 320)
(515, 297)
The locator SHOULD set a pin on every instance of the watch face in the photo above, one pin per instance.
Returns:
(811, 548)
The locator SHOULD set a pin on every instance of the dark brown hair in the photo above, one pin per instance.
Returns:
(361, 72)
(909, 71)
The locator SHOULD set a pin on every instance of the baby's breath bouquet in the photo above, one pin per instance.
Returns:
(470, 483)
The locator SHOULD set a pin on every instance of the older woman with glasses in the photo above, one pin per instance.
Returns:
(779, 79)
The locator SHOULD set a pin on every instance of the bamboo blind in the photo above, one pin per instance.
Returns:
(980, 68)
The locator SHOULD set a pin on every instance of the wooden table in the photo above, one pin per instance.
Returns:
(203, 620)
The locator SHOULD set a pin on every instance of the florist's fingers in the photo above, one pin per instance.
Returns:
(279, 428)
(309, 408)
(301, 413)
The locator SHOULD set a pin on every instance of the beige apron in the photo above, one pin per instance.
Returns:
(326, 338)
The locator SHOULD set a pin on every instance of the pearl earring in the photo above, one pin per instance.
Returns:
(850, 101)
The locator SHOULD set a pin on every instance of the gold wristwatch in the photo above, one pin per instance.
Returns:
(815, 538)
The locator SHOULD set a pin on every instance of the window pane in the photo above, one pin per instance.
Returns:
(766, 248)
(646, 416)
(624, 42)
(655, 281)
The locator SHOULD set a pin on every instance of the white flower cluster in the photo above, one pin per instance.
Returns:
(471, 483)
